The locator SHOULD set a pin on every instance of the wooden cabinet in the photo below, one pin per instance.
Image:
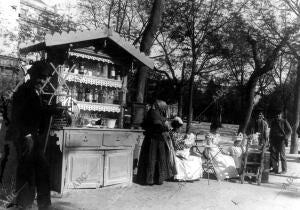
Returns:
(93, 158)
(118, 167)
(84, 169)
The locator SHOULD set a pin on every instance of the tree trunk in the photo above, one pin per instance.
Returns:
(180, 101)
(146, 44)
(296, 111)
(191, 93)
(249, 103)
(181, 92)
(260, 70)
(190, 108)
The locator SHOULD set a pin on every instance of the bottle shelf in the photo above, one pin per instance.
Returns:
(92, 80)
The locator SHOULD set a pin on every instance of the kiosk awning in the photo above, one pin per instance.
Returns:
(120, 47)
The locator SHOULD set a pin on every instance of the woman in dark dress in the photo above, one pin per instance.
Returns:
(154, 164)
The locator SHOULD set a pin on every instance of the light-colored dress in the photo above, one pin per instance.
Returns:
(188, 166)
(224, 165)
(236, 153)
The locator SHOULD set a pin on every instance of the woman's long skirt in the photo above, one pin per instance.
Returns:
(154, 165)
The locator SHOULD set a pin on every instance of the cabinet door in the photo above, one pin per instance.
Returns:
(118, 167)
(85, 169)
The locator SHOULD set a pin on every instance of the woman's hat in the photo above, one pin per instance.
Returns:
(238, 137)
(177, 121)
(209, 136)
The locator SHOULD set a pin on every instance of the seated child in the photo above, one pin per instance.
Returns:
(188, 166)
(222, 162)
(237, 150)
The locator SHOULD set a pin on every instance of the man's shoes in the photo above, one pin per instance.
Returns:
(48, 208)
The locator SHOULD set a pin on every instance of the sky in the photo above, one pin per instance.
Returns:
(9, 10)
(8, 22)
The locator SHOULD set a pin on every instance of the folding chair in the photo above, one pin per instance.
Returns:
(207, 165)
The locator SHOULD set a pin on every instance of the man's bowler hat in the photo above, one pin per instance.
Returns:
(40, 69)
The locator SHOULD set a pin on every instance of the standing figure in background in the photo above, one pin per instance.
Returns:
(154, 165)
(280, 132)
(259, 125)
(28, 123)
(262, 128)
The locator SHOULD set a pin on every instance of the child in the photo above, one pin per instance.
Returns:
(237, 150)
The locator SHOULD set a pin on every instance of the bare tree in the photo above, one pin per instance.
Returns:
(293, 45)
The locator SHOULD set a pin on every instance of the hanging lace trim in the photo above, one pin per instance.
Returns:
(90, 57)
(88, 106)
(85, 79)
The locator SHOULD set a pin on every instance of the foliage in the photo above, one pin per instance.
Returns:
(34, 28)
(8, 33)
(124, 16)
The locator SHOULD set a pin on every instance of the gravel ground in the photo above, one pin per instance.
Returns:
(282, 192)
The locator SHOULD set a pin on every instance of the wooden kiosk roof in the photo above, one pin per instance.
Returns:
(118, 47)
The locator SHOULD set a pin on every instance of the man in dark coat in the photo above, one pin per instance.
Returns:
(280, 132)
(28, 122)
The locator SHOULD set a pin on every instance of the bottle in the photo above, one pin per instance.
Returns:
(87, 94)
(118, 73)
(65, 91)
(100, 96)
(105, 70)
(80, 93)
(91, 94)
(95, 95)
(109, 97)
(81, 69)
(99, 69)
(112, 72)
(114, 97)
(74, 93)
